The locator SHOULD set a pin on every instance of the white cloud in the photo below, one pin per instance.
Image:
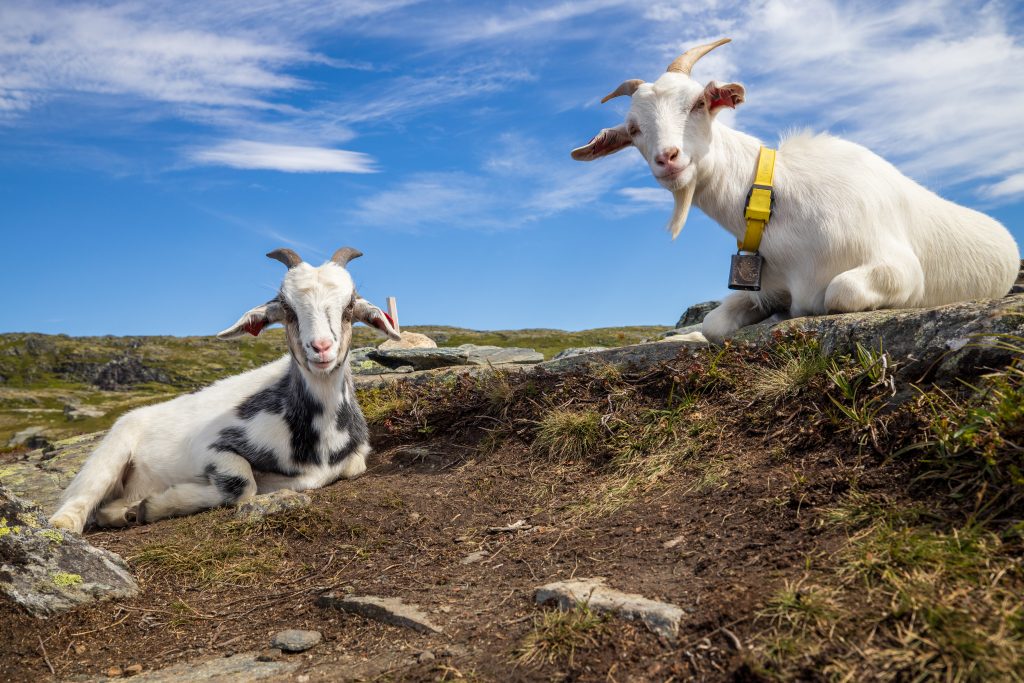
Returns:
(1011, 187)
(651, 196)
(451, 199)
(247, 154)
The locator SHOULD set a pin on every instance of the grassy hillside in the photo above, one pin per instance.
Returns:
(40, 374)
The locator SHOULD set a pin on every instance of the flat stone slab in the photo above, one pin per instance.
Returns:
(467, 354)
(660, 617)
(296, 640)
(240, 667)
(47, 571)
(637, 355)
(388, 610)
(271, 503)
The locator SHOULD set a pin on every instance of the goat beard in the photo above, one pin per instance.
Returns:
(684, 198)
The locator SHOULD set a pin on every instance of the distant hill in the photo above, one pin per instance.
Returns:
(62, 384)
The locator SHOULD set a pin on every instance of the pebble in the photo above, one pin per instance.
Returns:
(133, 670)
(475, 557)
(295, 640)
(270, 655)
(113, 672)
(426, 656)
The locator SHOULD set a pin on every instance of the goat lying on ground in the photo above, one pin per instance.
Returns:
(291, 424)
(849, 231)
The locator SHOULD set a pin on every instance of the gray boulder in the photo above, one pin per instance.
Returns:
(47, 571)
(694, 315)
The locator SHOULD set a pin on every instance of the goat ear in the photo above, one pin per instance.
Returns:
(367, 313)
(718, 95)
(255, 320)
(608, 141)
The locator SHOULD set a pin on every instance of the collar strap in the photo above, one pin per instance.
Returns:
(760, 202)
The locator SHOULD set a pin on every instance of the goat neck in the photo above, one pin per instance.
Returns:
(724, 176)
(331, 389)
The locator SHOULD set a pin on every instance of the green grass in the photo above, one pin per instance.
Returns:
(564, 434)
(557, 635)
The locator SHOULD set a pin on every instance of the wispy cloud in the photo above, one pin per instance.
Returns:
(248, 154)
(523, 183)
(651, 196)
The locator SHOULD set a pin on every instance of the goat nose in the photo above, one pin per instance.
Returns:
(321, 345)
(667, 155)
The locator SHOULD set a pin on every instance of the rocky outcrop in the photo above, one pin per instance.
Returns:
(46, 571)
(124, 373)
(957, 340)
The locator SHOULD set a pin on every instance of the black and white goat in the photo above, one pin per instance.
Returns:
(291, 424)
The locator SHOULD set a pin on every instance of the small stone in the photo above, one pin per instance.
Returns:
(271, 654)
(80, 649)
(425, 657)
(113, 672)
(296, 640)
(473, 558)
(414, 517)
(133, 670)
(270, 503)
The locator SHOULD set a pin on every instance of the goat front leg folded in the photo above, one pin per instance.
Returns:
(229, 481)
(738, 310)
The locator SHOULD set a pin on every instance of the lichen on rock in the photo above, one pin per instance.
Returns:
(46, 571)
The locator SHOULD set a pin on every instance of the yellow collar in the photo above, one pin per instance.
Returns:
(759, 202)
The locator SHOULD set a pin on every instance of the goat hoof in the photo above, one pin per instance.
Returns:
(136, 514)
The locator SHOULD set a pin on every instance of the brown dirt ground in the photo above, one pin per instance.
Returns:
(404, 528)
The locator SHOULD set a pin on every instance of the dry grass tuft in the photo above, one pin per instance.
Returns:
(564, 434)
(557, 635)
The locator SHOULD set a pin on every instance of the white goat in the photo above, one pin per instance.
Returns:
(291, 424)
(849, 231)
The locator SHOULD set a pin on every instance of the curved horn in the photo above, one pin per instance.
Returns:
(344, 255)
(685, 61)
(626, 88)
(286, 256)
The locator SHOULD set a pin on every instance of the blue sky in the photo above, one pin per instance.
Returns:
(152, 152)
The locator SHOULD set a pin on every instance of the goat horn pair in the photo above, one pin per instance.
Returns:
(684, 62)
(682, 65)
(291, 259)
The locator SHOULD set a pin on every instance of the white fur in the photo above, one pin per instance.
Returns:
(849, 231)
(154, 462)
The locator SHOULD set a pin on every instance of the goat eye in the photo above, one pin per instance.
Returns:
(634, 130)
